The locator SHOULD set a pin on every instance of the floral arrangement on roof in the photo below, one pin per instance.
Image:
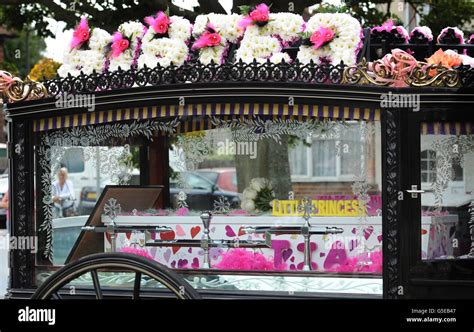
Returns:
(86, 51)
(450, 35)
(331, 38)
(225, 27)
(421, 35)
(125, 47)
(258, 196)
(450, 59)
(266, 34)
(389, 31)
(166, 41)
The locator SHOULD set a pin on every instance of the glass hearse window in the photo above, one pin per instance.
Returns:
(447, 164)
(271, 174)
(72, 174)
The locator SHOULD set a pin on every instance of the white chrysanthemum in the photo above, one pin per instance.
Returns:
(86, 61)
(262, 43)
(135, 32)
(179, 28)
(226, 25)
(99, 39)
(164, 50)
(343, 47)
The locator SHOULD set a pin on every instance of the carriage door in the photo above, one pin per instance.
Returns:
(437, 228)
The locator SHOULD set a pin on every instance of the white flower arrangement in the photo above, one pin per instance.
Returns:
(457, 32)
(166, 49)
(423, 31)
(266, 42)
(76, 61)
(258, 196)
(343, 47)
(133, 31)
(226, 26)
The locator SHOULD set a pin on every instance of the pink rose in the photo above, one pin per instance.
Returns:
(119, 44)
(321, 37)
(261, 13)
(208, 39)
(159, 24)
(81, 34)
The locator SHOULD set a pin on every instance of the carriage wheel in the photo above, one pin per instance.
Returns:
(117, 262)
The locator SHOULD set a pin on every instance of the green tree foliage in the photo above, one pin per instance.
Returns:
(22, 52)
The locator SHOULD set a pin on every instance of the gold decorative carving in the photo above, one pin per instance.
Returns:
(14, 89)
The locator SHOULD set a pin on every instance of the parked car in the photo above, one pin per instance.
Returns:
(223, 178)
(201, 191)
(89, 195)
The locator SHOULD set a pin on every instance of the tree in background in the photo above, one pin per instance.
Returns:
(107, 14)
(22, 52)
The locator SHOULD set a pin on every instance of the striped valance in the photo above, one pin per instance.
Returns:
(447, 128)
(211, 109)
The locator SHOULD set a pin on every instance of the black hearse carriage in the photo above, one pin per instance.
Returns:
(151, 141)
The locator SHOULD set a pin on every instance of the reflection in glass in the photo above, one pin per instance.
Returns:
(447, 161)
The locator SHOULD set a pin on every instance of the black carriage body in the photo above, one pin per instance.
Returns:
(405, 275)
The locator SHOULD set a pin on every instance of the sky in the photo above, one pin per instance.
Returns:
(55, 47)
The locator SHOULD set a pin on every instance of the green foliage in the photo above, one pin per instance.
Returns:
(329, 8)
(444, 13)
(21, 55)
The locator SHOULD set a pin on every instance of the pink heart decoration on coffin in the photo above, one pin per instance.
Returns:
(180, 231)
(128, 235)
(292, 259)
(368, 232)
(286, 254)
(354, 230)
(322, 254)
(182, 263)
(167, 255)
(195, 231)
(229, 232)
(195, 263)
(312, 245)
(379, 238)
(314, 266)
(190, 250)
(153, 251)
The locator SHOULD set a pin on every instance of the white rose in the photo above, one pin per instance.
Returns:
(247, 205)
(249, 193)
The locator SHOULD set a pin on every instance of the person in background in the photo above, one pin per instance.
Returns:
(63, 195)
(4, 204)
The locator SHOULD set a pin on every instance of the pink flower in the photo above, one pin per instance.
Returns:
(136, 251)
(241, 259)
(261, 13)
(81, 34)
(119, 44)
(208, 39)
(321, 37)
(160, 23)
(181, 212)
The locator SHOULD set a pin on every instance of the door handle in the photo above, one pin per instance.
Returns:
(414, 191)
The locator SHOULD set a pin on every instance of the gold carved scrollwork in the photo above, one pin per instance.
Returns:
(419, 74)
(14, 89)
